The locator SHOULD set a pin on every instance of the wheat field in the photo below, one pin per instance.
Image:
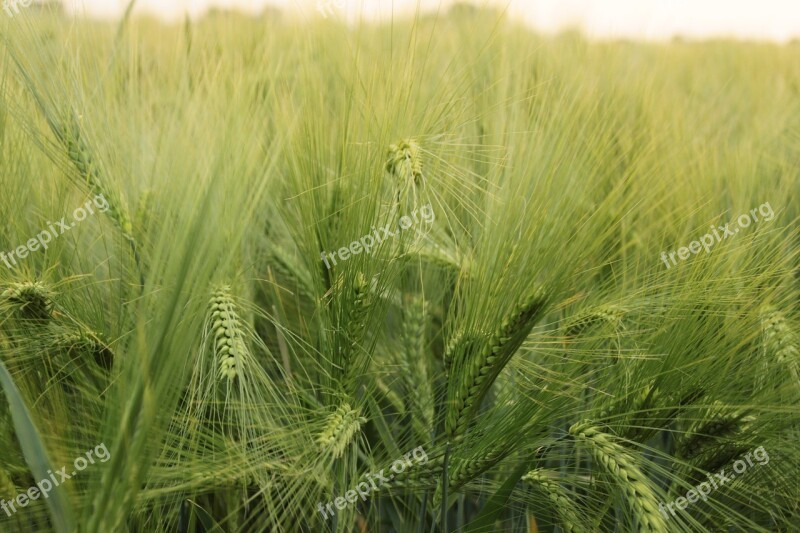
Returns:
(434, 274)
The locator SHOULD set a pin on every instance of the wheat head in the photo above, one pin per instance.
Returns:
(340, 428)
(564, 506)
(620, 466)
(476, 368)
(229, 344)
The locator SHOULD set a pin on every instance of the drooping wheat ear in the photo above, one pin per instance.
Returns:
(81, 157)
(354, 330)
(467, 469)
(229, 343)
(340, 428)
(476, 368)
(85, 341)
(30, 300)
(566, 510)
(414, 365)
(658, 410)
(712, 459)
(780, 342)
(710, 432)
(462, 470)
(605, 314)
(620, 466)
(405, 161)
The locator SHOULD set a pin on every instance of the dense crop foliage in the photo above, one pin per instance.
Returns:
(441, 243)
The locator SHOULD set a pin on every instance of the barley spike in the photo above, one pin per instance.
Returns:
(564, 506)
(476, 369)
(30, 300)
(229, 344)
(340, 428)
(620, 466)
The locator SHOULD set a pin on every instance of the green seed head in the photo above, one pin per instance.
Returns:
(30, 300)
(405, 161)
(229, 344)
(610, 315)
(340, 428)
(563, 504)
(621, 467)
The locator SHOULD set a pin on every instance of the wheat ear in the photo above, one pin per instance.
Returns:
(30, 300)
(460, 343)
(709, 432)
(82, 159)
(405, 161)
(144, 209)
(229, 344)
(565, 508)
(289, 269)
(86, 341)
(391, 396)
(780, 342)
(447, 260)
(427, 474)
(352, 359)
(415, 366)
(605, 314)
(340, 428)
(475, 369)
(622, 468)
(465, 470)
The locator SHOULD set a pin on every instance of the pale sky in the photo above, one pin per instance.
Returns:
(651, 19)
